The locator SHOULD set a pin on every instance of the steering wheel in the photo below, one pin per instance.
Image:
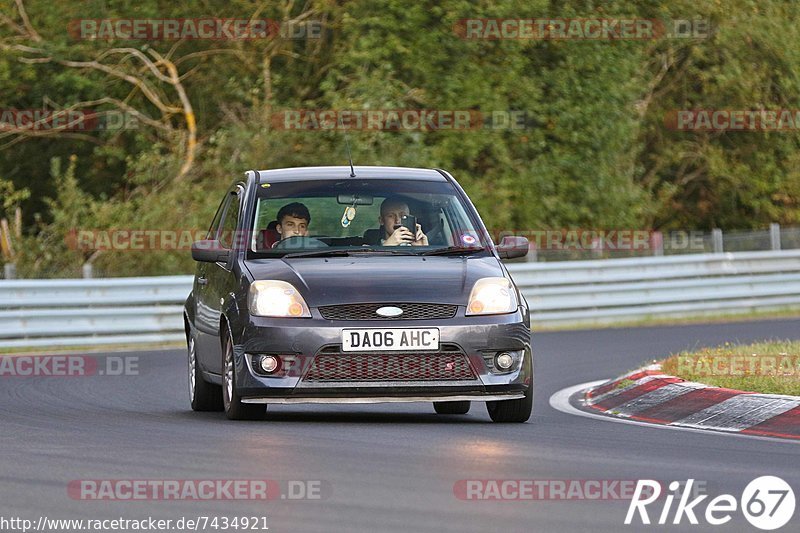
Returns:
(299, 243)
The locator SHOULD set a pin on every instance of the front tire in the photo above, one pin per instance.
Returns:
(204, 396)
(232, 403)
(513, 410)
(452, 408)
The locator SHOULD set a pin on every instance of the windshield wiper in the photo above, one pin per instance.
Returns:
(346, 252)
(455, 250)
(318, 253)
(400, 250)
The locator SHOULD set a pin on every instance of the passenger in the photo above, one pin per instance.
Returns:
(293, 220)
(392, 211)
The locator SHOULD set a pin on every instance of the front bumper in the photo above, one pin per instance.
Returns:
(303, 339)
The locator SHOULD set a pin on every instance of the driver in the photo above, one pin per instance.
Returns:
(392, 210)
(293, 220)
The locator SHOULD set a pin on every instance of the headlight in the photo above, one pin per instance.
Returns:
(492, 296)
(276, 298)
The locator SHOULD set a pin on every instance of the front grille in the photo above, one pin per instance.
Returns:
(411, 311)
(444, 365)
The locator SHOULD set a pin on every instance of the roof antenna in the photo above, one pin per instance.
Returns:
(347, 143)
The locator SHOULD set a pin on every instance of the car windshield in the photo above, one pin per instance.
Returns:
(348, 217)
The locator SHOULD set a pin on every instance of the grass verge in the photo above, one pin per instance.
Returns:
(700, 318)
(767, 367)
(94, 349)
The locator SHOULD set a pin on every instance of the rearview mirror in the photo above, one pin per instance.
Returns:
(210, 251)
(512, 247)
(355, 199)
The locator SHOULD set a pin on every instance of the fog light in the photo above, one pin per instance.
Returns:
(268, 363)
(504, 361)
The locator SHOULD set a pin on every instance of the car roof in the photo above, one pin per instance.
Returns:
(343, 172)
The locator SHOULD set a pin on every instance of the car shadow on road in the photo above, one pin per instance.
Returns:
(344, 417)
(373, 418)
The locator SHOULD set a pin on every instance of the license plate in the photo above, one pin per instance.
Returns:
(388, 340)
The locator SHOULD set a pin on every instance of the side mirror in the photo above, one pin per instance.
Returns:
(210, 251)
(512, 247)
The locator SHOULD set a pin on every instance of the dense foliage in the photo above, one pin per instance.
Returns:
(595, 151)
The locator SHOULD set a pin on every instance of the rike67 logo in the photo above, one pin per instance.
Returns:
(767, 503)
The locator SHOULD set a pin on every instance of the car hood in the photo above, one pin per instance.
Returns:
(373, 279)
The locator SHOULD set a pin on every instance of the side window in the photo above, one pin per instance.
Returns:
(229, 221)
(214, 229)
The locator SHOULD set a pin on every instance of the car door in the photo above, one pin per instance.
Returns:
(211, 284)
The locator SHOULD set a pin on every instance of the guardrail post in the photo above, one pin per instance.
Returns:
(716, 240)
(87, 271)
(597, 248)
(774, 236)
(10, 271)
(657, 243)
(533, 253)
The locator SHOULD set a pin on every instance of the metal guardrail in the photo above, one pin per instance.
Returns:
(606, 291)
(49, 313)
(86, 312)
(578, 245)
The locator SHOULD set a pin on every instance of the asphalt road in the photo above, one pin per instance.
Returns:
(388, 467)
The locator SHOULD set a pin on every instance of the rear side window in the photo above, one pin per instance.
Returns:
(230, 220)
(213, 231)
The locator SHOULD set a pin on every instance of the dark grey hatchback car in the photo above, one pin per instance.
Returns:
(355, 285)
